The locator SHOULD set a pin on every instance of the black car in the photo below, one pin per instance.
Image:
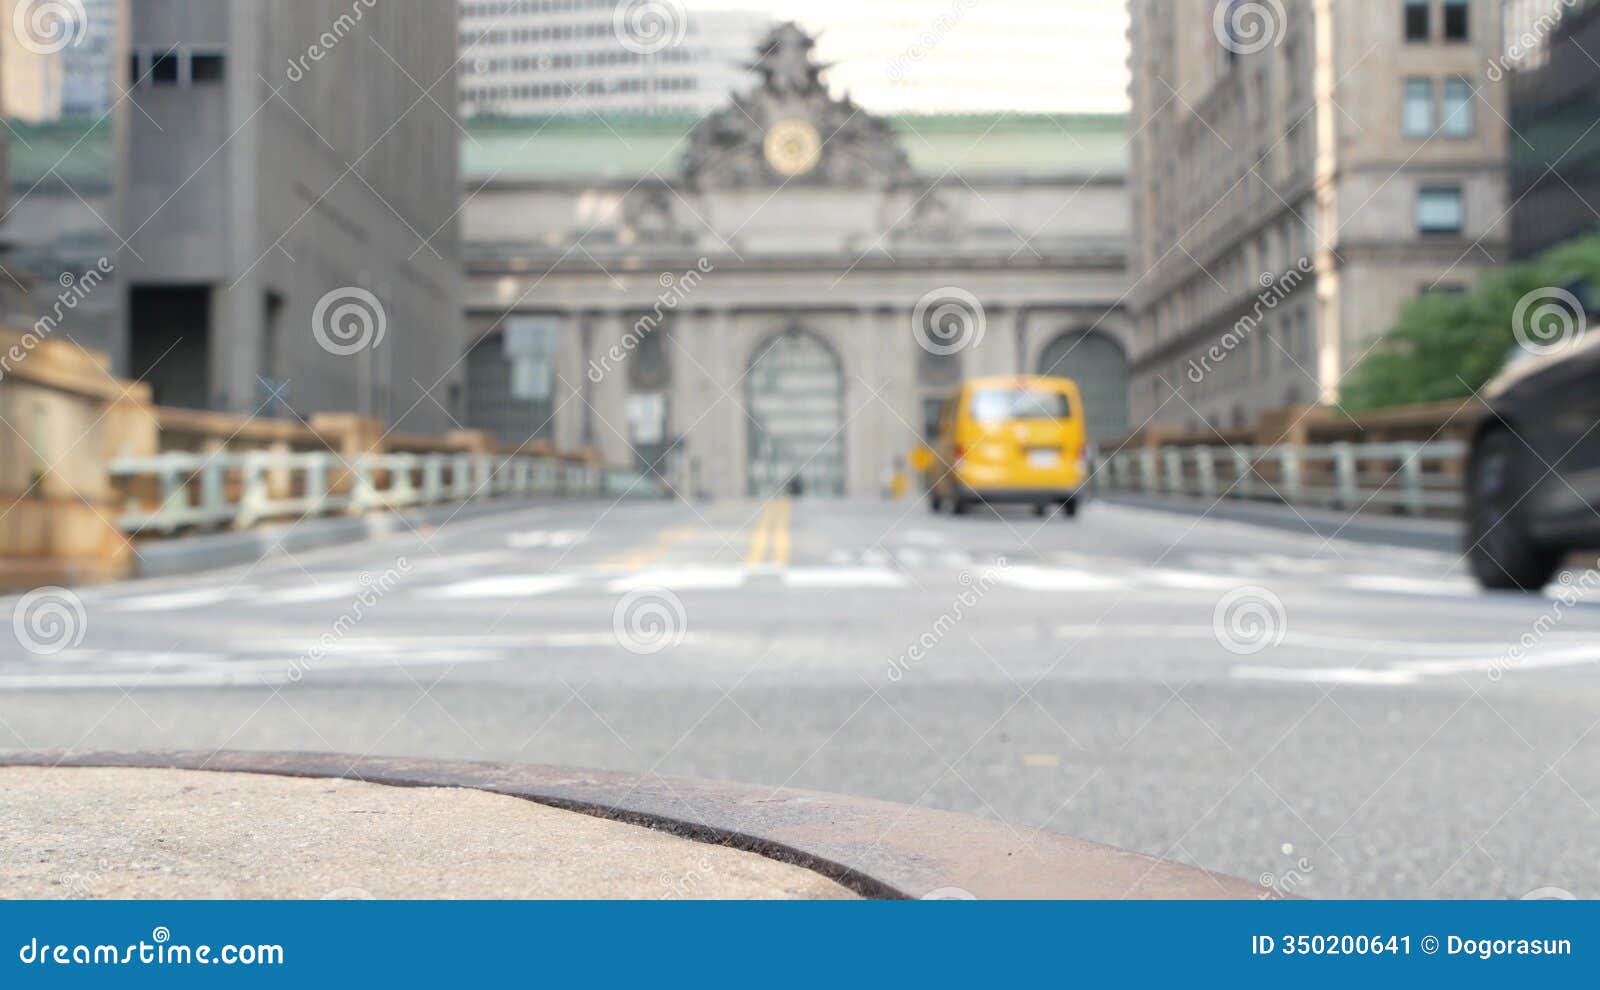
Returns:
(1533, 478)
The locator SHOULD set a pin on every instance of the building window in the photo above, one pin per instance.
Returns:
(1439, 210)
(1457, 20)
(1417, 28)
(1458, 108)
(1417, 115)
(164, 69)
(208, 67)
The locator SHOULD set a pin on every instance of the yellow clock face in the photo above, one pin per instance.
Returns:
(793, 147)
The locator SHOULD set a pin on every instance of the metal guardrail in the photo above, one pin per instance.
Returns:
(239, 490)
(1415, 478)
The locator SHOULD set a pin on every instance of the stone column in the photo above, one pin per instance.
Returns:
(567, 392)
(608, 389)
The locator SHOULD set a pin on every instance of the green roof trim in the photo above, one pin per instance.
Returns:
(78, 148)
(621, 146)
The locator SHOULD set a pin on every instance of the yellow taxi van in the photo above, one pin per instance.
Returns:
(1016, 439)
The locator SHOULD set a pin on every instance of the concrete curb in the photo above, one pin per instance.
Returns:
(1441, 535)
(191, 554)
(874, 848)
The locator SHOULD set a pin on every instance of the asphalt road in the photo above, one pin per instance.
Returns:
(1337, 719)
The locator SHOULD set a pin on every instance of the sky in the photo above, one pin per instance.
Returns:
(1042, 56)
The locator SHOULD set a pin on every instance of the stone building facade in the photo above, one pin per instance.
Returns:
(780, 294)
(1300, 170)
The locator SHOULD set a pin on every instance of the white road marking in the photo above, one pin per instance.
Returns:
(1193, 579)
(1411, 586)
(1327, 675)
(506, 586)
(682, 579)
(842, 577)
(537, 538)
(313, 593)
(1058, 579)
(175, 600)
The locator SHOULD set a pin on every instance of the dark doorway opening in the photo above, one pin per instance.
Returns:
(169, 343)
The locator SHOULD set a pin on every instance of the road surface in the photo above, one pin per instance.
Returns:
(1335, 719)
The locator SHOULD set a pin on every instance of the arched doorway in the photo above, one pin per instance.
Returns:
(1097, 363)
(796, 403)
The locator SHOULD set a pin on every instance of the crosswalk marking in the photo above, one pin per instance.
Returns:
(172, 601)
(1030, 578)
(842, 577)
(312, 593)
(507, 586)
(540, 538)
(683, 579)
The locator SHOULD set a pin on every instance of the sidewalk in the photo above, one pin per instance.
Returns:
(180, 834)
(320, 825)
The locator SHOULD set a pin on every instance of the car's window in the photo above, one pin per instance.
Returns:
(1004, 405)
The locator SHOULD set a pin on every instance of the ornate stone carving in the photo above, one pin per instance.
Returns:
(789, 129)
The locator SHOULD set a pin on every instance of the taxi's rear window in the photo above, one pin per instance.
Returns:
(1005, 404)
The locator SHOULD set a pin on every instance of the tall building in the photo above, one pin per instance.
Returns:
(528, 58)
(1300, 170)
(32, 38)
(88, 65)
(1555, 101)
(288, 187)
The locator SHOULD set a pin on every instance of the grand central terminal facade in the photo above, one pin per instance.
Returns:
(777, 296)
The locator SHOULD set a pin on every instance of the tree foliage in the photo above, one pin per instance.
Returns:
(1447, 345)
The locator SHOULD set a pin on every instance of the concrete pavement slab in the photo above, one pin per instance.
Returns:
(153, 833)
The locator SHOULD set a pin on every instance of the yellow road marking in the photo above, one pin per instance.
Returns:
(780, 534)
(769, 541)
